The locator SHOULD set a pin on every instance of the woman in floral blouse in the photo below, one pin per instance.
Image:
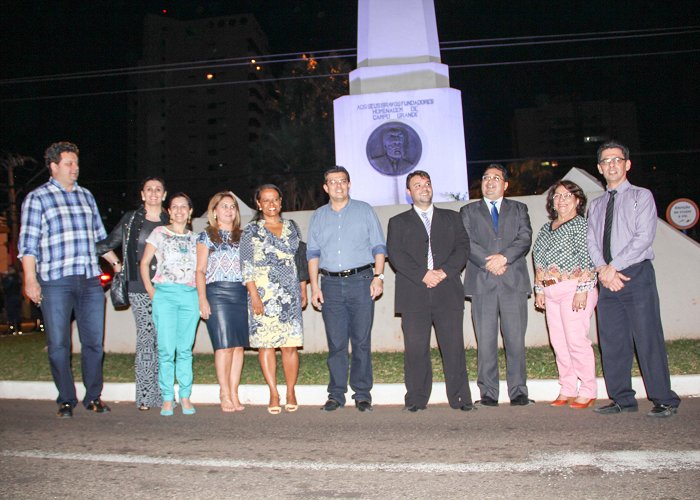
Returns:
(175, 305)
(565, 287)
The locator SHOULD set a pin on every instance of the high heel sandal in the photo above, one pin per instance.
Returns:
(291, 408)
(562, 402)
(582, 406)
(274, 410)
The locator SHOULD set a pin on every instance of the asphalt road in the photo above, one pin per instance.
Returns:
(505, 452)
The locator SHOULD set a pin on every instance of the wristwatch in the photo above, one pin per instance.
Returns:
(380, 276)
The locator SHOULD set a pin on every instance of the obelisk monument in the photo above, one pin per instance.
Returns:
(401, 114)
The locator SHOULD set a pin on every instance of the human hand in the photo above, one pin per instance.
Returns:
(256, 304)
(204, 309)
(376, 288)
(496, 264)
(32, 289)
(317, 298)
(580, 301)
(539, 301)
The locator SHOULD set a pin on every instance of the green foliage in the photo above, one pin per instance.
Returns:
(297, 142)
(24, 358)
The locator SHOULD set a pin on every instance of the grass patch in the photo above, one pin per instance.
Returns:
(24, 357)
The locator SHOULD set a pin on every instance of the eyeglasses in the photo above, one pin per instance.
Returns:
(608, 161)
(495, 178)
(337, 182)
(563, 196)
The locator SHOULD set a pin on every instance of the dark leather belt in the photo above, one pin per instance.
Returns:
(347, 272)
(549, 282)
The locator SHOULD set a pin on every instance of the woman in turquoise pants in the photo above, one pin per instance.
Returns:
(175, 302)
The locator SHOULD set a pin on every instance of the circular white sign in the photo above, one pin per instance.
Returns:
(682, 213)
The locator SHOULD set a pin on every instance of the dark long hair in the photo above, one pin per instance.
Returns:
(572, 188)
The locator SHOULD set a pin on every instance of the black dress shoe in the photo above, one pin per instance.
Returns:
(363, 405)
(97, 406)
(467, 407)
(65, 410)
(331, 405)
(613, 408)
(521, 400)
(662, 411)
(413, 408)
(487, 401)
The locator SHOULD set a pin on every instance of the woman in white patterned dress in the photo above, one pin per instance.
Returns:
(270, 250)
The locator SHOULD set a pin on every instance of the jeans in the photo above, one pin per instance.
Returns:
(348, 312)
(86, 298)
(175, 315)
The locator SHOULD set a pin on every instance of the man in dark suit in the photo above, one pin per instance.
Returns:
(428, 248)
(498, 283)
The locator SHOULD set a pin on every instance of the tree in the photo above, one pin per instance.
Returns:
(297, 142)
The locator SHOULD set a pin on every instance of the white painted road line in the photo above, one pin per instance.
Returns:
(609, 462)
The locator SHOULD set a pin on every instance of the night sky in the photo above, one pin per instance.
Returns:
(50, 37)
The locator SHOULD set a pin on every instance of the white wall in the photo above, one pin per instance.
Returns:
(677, 267)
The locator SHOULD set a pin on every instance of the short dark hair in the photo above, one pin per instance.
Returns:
(337, 169)
(572, 188)
(613, 144)
(498, 166)
(416, 173)
(152, 178)
(258, 213)
(53, 152)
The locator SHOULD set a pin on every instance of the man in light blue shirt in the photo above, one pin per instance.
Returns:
(346, 246)
(621, 231)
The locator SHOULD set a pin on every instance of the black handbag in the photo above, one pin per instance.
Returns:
(119, 291)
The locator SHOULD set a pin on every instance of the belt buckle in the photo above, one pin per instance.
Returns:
(345, 274)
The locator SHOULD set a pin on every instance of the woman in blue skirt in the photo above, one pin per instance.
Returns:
(223, 298)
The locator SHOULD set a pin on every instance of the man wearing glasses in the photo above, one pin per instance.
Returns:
(498, 284)
(346, 246)
(621, 231)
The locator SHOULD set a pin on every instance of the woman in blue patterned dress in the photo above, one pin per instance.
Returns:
(174, 297)
(223, 299)
(277, 291)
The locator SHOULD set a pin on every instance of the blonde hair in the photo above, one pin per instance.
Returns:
(212, 228)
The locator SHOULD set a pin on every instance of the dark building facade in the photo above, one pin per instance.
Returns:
(196, 130)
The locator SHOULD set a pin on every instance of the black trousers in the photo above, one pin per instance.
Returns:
(631, 319)
(418, 370)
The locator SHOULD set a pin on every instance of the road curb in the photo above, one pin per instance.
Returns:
(382, 394)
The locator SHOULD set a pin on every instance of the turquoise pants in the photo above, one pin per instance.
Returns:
(175, 316)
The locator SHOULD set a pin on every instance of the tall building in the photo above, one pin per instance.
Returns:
(563, 127)
(200, 106)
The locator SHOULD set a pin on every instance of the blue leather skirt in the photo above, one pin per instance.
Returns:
(228, 323)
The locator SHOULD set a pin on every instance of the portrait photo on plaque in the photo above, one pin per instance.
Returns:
(394, 148)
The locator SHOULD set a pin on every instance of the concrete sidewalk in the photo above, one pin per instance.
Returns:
(382, 394)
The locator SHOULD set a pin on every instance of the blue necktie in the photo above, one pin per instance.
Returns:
(494, 216)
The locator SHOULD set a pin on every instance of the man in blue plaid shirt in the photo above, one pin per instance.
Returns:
(59, 228)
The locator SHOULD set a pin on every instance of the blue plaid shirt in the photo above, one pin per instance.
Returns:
(60, 229)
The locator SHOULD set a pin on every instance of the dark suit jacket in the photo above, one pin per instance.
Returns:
(513, 240)
(407, 246)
